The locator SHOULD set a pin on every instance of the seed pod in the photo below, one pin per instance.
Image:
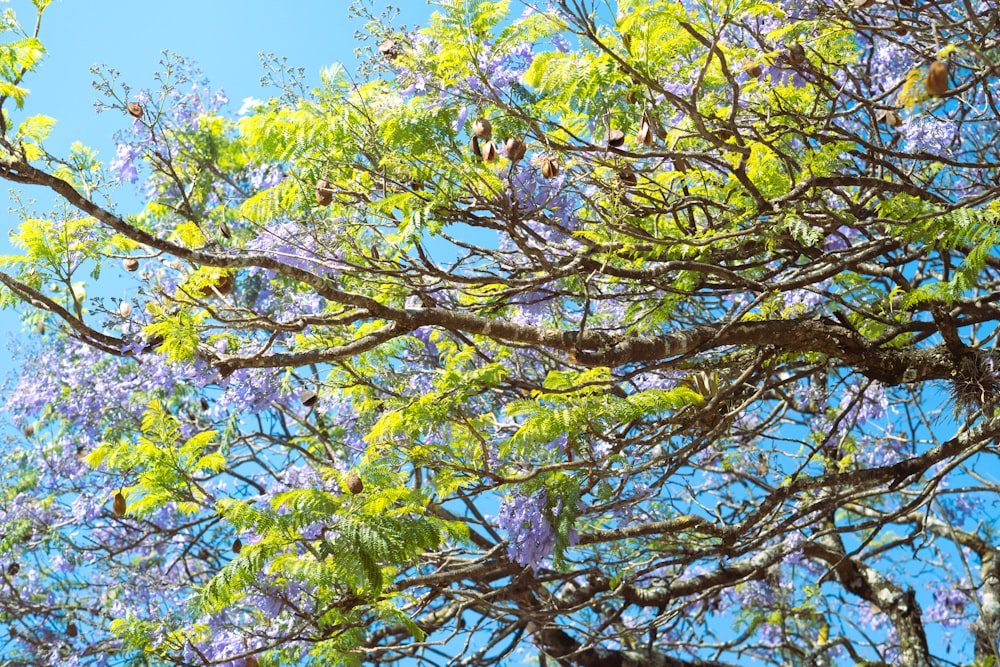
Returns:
(13, 569)
(482, 128)
(134, 109)
(124, 309)
(324, 194)
(937, 79)
(796, 54)
(631, 97)
(515, 149)
(204, 403)
(308, 398)
(614, 138)
(29, 430)
(389, 49)
(752, 68)
(476, 150)
(645, 134)
(224, 284)
(889, 117)
(861, 4)
(130, 264)
(627, 177)
(550, 166)
(119, 506)
(354, 484)
(901, 29)
(224, 230)
(490, 152)
(251, 662)
(71, 630)
(237, 546)
(40, 328)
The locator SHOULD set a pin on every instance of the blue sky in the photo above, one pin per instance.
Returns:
(224, 37)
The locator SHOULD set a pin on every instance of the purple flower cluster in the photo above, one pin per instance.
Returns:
(530, 536)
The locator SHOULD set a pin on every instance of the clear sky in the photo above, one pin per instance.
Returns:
(223, 36)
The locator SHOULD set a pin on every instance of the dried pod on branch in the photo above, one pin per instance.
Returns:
(308, 398)
(134, 109)
(354, 483)
(482, 129)
(645, 134)
(515, 149)
(490, 152)
(550, 166)
(118, 504)
(614, 138)
(130, 264)
(936, 82)
(889, 117)
(324, 193)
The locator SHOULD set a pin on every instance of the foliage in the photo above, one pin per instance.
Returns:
(685, 357)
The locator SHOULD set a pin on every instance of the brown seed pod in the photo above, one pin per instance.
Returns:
(118, 505)
(354, 483)
(889, 117)
(251, 662)
(124, 309)
(796, 54)
(482, 129)
(130, 264)
(389, 49)
(224, 230)
(222, 286)
(71, 630)
(627, 177)
(324, 194)
(134, 109)
(13, 569)
(901, 29)
(476, 150)
(308, 398)
(29, 430)
(937, 79)
(861, 4)
(550, 166)
(614, 138)
(237, 546)
(515, 149)
(752, 68)
(631, 97)
(490, 152)
(645, 134)
(40, 328)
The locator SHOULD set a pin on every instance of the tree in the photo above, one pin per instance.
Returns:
(653, 334)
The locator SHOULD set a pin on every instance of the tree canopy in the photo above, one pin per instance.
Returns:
(657, 333)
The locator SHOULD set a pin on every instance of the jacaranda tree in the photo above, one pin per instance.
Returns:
(656, 334)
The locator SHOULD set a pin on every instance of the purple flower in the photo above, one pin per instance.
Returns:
(530, 536)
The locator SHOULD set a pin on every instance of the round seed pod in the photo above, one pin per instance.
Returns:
(936, 82)
(889, 117)
(13, 569)
(389, 49)
(308, 398)
(490, 152)
(134, 109)
(627, 177)
(251, 662)
(752, 68)
(204, 403)
(71, 630)
(40, 328)
(482, 128)
(237, 546)
(614, 138)
(118, 505)
(515, 149)
(324, 194)
(354, 484)
(796, 54)
(550, 166)
(124, 309)
(29, 430)
(224, 285)
(130, 264)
